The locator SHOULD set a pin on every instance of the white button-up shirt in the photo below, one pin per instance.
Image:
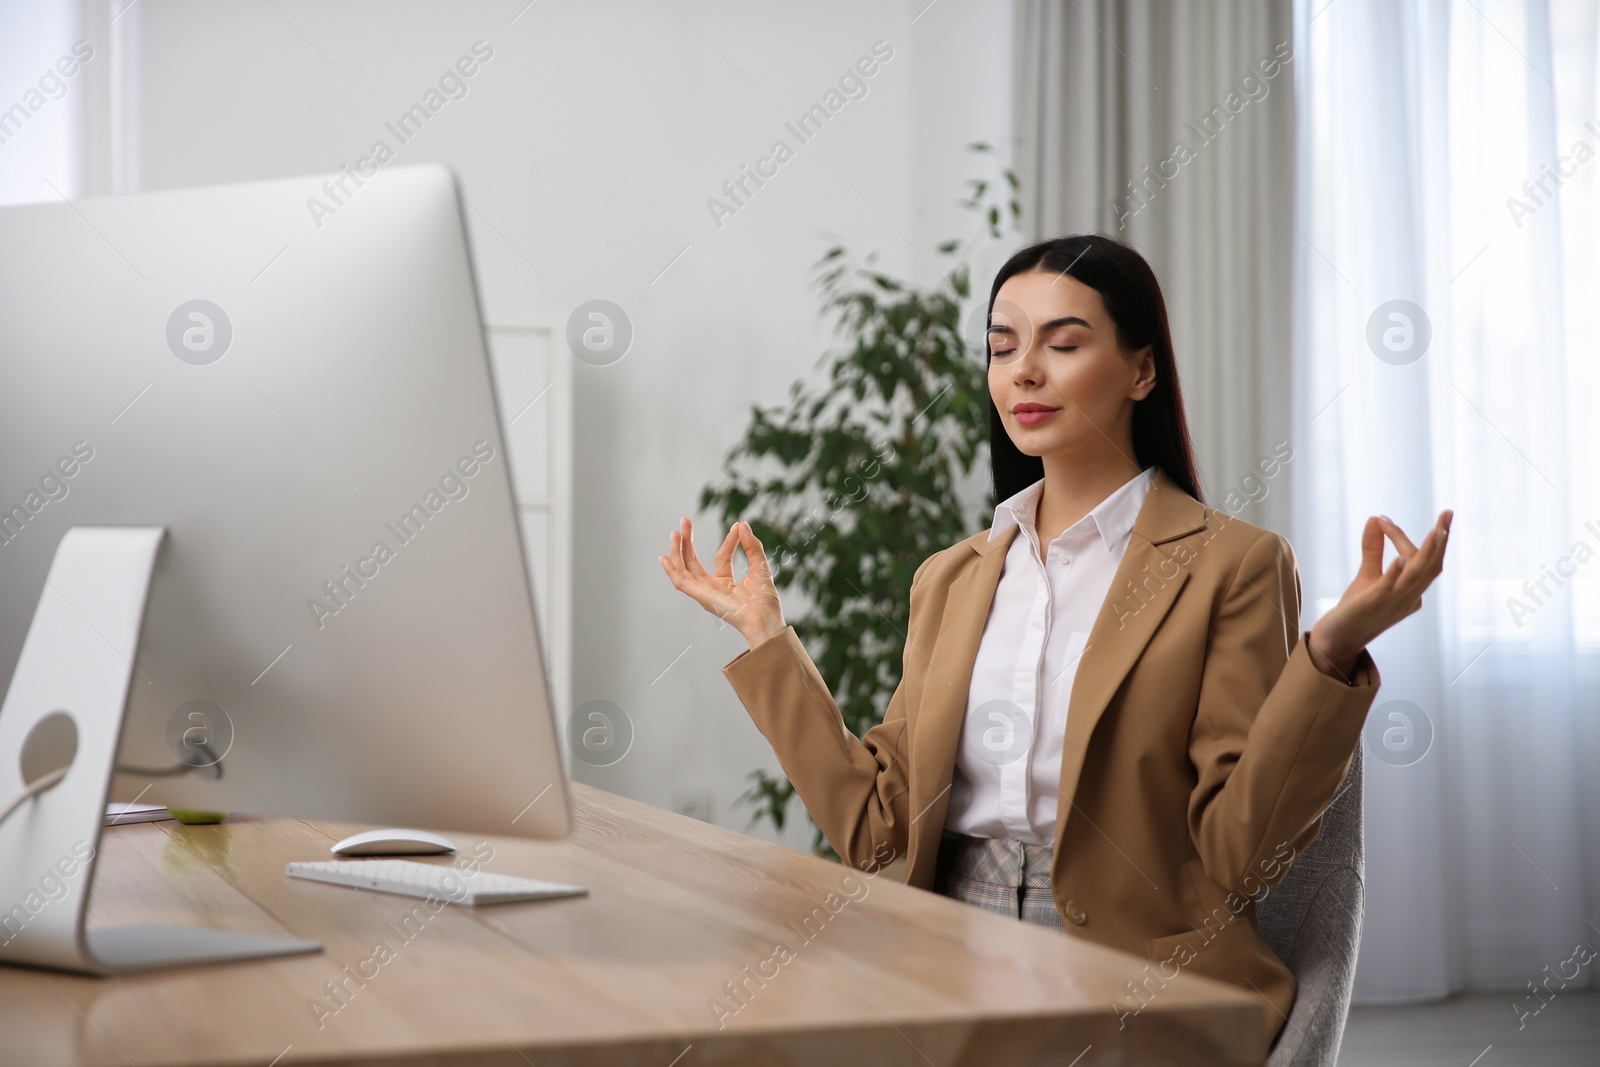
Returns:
(1008, 767)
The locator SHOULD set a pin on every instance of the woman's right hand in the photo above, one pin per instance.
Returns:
(751, 606)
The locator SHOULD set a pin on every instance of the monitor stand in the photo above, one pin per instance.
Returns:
(65, 708)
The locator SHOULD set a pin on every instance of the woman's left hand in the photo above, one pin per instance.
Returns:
(1378, 598)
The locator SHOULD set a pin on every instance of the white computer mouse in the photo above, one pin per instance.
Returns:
(393, 843)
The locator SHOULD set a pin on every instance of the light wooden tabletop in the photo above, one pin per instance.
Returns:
(649, 969)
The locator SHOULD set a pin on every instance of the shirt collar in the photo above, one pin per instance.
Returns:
(1113, 517)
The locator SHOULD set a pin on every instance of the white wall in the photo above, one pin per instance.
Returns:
(588, 146)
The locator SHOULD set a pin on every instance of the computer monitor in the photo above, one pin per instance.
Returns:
(290, 377)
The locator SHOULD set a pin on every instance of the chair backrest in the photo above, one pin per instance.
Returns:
(1312, 920)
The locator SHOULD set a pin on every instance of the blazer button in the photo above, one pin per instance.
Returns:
(1075, 913)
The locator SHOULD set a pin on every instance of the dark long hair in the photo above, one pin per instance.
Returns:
(1132, 297)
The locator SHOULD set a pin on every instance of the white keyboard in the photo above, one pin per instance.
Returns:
(413, 879)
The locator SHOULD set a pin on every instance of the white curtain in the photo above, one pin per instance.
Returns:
(1445, 355)
(40, 150)
(1169, 124)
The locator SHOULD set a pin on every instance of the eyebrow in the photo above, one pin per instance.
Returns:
(1065, 320)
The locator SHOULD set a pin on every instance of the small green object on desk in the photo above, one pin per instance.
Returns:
(190, 817)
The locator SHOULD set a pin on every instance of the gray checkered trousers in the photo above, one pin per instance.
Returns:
(998, 874)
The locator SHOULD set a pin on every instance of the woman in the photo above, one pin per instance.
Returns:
(1205, 733)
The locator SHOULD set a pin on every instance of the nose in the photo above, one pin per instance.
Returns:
(1025, 366)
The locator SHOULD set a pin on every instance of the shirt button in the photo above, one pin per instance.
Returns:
(1066, 558)
(1075, 913)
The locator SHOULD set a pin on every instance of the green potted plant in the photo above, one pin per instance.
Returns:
(862, 472)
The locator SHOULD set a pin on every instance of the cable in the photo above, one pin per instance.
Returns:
(179, 768)
(42, 784)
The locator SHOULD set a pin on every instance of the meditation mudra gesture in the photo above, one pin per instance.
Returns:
(1205, 733)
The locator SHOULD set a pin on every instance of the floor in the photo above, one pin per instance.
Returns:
(1476, 1030)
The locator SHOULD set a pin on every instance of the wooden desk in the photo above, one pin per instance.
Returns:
(884, 974)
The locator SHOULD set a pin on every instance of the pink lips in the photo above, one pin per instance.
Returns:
(1030, 413)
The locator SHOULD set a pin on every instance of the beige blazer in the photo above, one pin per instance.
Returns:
(1201, 747)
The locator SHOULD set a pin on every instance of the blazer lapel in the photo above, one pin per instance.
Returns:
(943, 708)
(1143, 590)
(1134, 607)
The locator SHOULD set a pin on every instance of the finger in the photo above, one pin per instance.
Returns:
(1418, 569)
(691, 558)
(675, 556)
(753, 551)
(1398, 536)
(1385, 585)
(1429, 563)
(1372, 549)
(673, 559)
(696, 563)
(723, 560)
(1444, 546)
(1428, 560)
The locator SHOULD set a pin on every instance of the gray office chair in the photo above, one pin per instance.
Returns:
(1312, 920)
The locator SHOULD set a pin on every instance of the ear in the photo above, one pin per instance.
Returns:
(1145, 383)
